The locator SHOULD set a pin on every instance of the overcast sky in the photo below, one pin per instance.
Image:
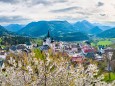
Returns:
(25, 11)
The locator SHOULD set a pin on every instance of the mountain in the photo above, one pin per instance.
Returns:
(3, 31)
(40, 28)
(59, 30)
(95, 30)
(108, 33)
(14, 27)
(83, 26)
(60, 27)
(86, 26)
(35, 29)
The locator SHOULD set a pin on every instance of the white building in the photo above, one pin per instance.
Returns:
(3, 55)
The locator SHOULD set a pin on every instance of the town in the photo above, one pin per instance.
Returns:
(77, 51)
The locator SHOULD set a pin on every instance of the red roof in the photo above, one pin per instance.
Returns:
(87, 49)
(79, 60)
(78, 56)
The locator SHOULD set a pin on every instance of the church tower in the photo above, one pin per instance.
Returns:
(47, 40)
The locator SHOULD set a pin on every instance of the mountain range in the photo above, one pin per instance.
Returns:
(61, 30)
(14, 27)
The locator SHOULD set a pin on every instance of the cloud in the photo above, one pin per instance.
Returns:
(71, 19)
(9, 1)
(100, 4)
(19, 11)
(65, 9)
(13, 19)
(27, 2)
(37, 2)
(84, 13)
(59, 1)
(102, 14)
(44, 2)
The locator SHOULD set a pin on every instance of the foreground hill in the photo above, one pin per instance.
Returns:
(108, 33)
(14, 27)
(3, 31)
(37, 29)
(74, 36)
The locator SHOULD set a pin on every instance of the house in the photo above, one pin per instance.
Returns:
(88, 51)
(13, 49)
(1, 62)
(74, 48)
(67, 48)
(98, 57)
(77, 59)
(56, 48)
(19, 48)
(2, 57)
(44, 47)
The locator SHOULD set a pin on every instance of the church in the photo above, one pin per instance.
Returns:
(48, 40)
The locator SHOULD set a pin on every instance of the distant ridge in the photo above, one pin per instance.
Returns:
(14, 27)
(3, 31)
(108, 33)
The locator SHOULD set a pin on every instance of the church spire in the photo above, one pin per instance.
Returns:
(48, 35)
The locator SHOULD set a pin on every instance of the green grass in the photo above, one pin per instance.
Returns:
(0, 40)
(106, 42)
(106, 77)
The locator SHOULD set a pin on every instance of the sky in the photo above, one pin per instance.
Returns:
(25, 11)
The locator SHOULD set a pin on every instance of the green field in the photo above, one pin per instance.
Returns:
(104, 43)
